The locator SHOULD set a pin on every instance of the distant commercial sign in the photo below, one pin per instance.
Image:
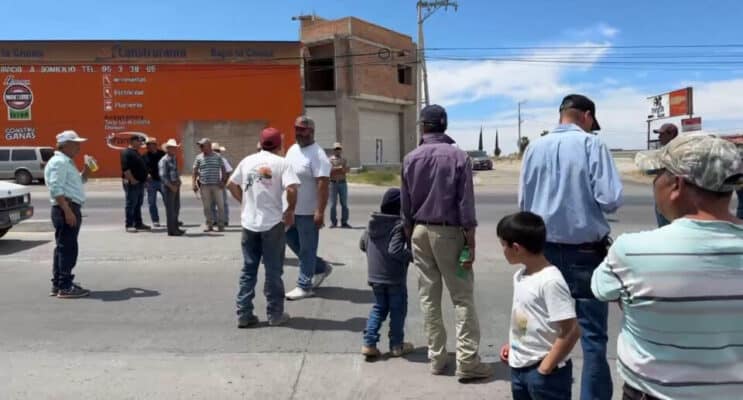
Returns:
(672, 104)
(691, 124)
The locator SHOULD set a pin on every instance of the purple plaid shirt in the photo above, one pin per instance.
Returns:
(437, 184)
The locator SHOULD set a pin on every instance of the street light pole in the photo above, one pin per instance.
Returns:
(430, 7)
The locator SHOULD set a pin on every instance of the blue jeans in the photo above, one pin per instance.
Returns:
(577, 263)
(226, 209)
(270, 247)
(528, 384)
(134, 200)
(338, 190)
(392, 300)
(740, 203)
(66, 249)
(303, 238)
(662, 221)
(153, 188)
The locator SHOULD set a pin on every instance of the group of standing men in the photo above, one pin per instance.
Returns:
(156, 172)
(677, 285)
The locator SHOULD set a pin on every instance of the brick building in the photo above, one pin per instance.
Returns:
(360, 88)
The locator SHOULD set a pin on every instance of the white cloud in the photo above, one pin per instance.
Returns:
(608, 31)
(622, 112)
(457, 82)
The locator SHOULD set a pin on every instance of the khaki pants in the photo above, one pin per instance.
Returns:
(436, 255)
(211, 195)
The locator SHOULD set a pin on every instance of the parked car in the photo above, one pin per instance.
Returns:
(24, 164)
(480, 160)
(15, 205)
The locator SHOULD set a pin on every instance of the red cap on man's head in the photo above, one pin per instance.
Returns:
(270, 139)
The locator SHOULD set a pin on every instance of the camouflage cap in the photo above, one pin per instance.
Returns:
(706, 161)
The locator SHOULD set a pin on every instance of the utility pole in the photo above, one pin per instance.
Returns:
(520, 120)
(425, 10)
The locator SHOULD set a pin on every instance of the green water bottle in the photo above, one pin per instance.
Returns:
(464, 256)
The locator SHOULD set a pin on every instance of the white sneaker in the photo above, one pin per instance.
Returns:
(156, 224)
(299, 294)
(318, 279)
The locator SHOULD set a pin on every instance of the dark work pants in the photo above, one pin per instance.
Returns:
(66, 250)
(134, 199)
(172, 208)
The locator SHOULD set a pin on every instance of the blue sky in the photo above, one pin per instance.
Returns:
(476, 91)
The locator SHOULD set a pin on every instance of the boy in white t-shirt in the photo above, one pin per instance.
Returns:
(258, 184)
(544, 328)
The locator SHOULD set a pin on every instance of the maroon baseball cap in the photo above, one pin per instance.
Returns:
(668, 128)
(270, 139)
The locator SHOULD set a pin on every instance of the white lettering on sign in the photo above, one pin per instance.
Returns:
(13, 69)
(128, 105)
(129, 92)
(58, 69)
(20, 133)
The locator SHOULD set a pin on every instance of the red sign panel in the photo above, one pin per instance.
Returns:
(680, 102)
(691, 124)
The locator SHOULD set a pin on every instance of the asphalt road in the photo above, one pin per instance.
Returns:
(160, 323)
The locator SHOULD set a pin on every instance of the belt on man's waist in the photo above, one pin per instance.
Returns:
(601, 244)
(536, 365)
(436, 224)
(69, 201)
(338, 180)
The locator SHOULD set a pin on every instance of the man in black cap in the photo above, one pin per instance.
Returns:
(569, 179)
(666, 133)
(438, 210)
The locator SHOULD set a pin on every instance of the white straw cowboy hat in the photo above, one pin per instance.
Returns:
(170, 143)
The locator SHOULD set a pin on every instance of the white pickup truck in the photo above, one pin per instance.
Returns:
(15, 205)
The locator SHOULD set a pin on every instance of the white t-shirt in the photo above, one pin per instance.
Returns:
(540, 301)
(309, 163)
(263, 178)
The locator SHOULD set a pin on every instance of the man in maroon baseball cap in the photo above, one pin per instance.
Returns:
(666, 133)
(258, 184)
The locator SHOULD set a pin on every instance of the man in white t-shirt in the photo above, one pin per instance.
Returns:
(312, 166)
(544, 328)
(258, 184)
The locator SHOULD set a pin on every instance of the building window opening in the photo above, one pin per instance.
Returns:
(320, 74)
(405, 74)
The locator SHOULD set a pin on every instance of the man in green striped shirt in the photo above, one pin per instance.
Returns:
(681, 286)
(65, 185)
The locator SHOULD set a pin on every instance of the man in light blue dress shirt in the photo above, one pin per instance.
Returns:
(65, 184)
(568, 177)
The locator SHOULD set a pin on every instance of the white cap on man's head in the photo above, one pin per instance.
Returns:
(69, 136)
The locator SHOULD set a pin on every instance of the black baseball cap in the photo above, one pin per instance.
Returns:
(582, 103)
(434, 115)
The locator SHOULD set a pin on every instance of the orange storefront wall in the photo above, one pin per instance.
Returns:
(94, 101)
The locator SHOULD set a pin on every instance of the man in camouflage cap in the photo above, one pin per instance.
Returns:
(678, 284)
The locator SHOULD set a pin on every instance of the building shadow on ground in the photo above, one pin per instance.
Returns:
(316, 324)
(122, 295)
(202, 234)
(12, 246)
(501, 371)
(357, 296)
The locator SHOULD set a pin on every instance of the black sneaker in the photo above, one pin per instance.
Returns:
(346, 226)
(143, 227)
(74, 292)
(247, 322)
(178, 233)
(54, 292)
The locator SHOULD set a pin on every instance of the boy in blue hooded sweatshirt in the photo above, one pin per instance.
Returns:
(388, 256)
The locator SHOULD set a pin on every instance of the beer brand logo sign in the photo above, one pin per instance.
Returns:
(18, 99)
(120, 140)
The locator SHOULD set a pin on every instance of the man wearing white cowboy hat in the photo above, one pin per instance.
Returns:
(67, 194)
(171, 180)
(219, 149)
(153, 185)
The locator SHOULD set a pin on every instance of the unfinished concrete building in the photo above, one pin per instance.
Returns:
(360, 87)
